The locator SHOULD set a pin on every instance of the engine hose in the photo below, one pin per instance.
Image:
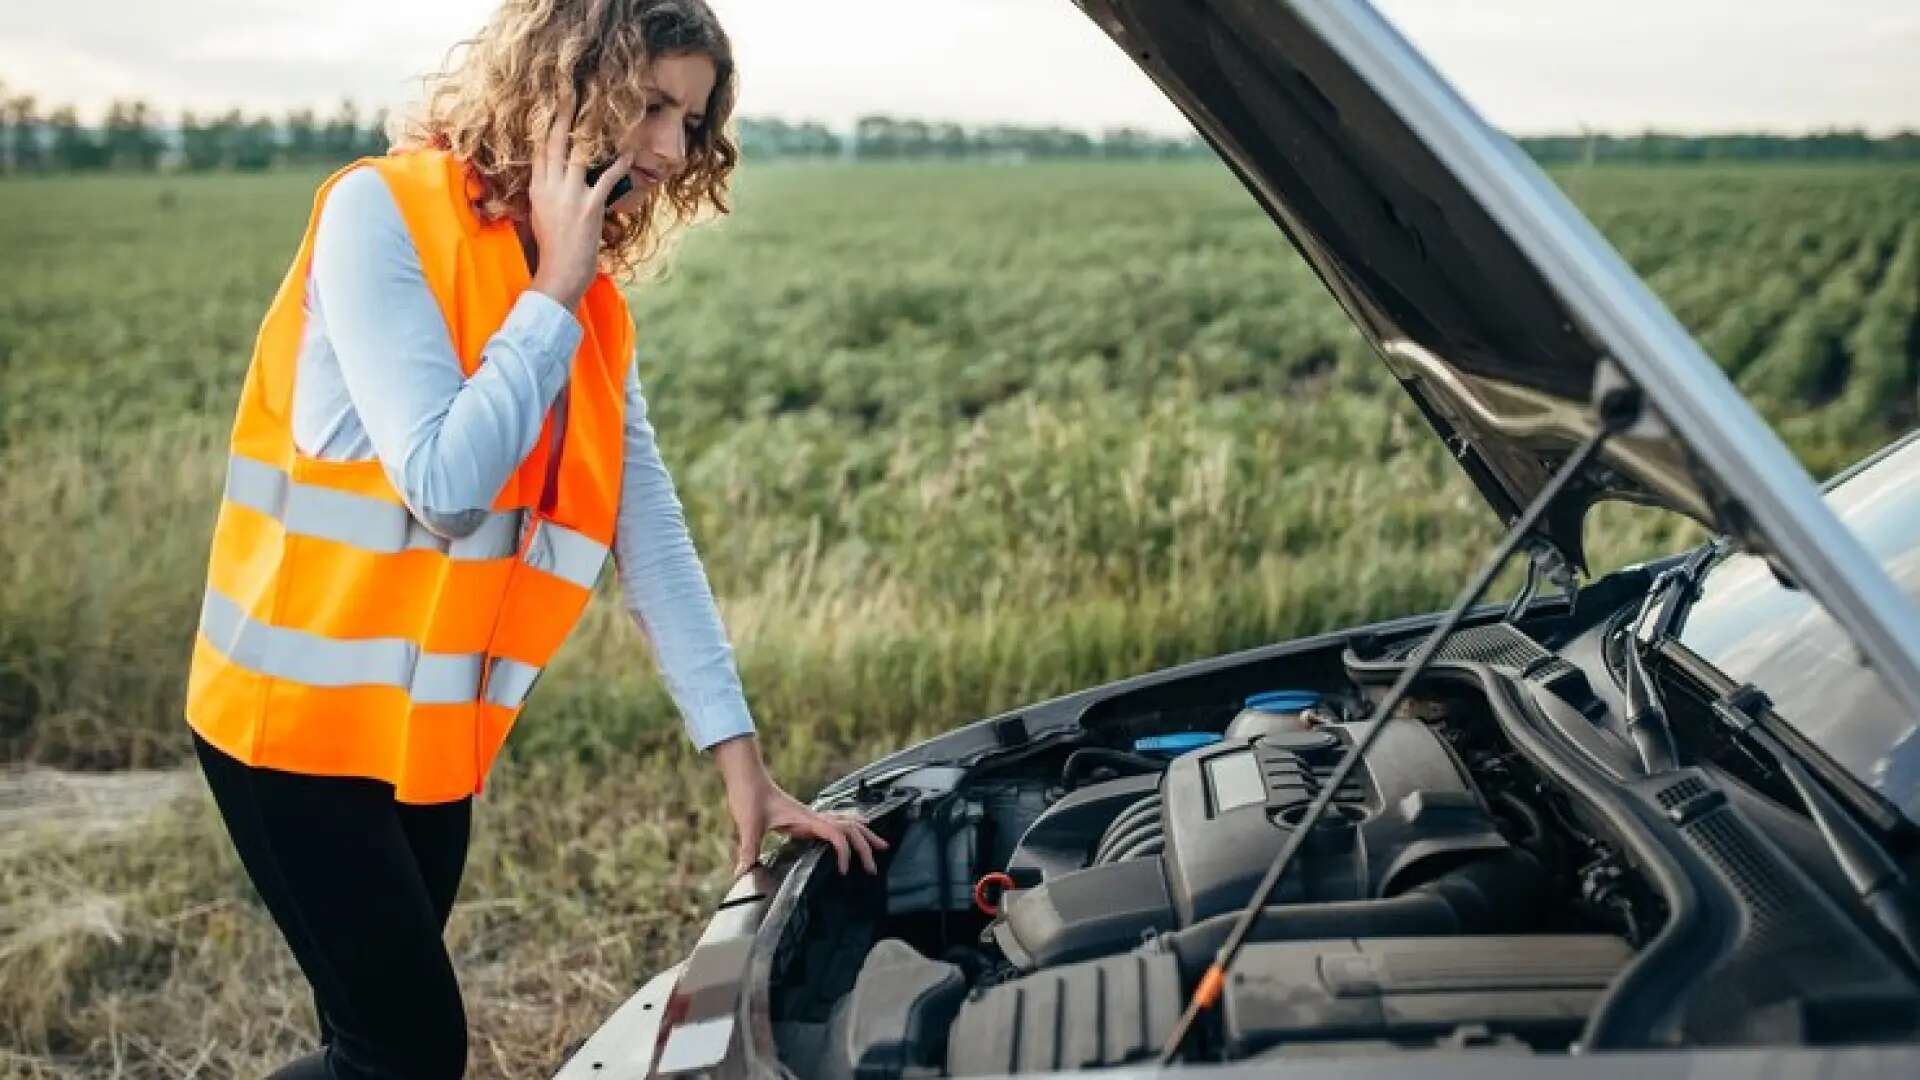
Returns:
(1538, 841)
(1146, 811)
(1503, 892)
(1124, 761)
(1145, 829)
(1152, 845)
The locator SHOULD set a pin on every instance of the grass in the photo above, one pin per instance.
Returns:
(951, 438)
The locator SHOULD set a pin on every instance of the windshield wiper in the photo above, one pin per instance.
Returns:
(1544, 563)
(1878, 881)
(1672, 596)
(1662, 614)
(1874, 875)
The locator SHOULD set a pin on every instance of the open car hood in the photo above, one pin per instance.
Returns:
(1491, 299)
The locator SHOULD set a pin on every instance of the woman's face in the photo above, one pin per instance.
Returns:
(677, 89)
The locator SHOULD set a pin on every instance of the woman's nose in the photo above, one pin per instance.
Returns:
(670, 146)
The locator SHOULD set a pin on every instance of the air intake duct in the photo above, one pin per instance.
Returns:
(1500, 893)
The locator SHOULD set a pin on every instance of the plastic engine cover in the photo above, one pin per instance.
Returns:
(1228, 808)
(1407, 812)
(1404, 989)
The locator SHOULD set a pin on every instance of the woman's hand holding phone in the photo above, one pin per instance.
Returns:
(620, 186)
(567, 211)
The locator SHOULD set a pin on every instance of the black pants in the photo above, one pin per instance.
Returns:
(360, 885)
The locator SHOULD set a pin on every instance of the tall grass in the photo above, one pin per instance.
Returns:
(951, 439)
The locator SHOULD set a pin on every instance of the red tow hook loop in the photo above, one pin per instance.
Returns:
(980, 900)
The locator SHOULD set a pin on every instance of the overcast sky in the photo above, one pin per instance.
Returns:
(1528, 65)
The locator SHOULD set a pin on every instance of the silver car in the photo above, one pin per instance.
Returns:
(1660, 822)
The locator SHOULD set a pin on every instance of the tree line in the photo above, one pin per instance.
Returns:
(880, 137)
(133, 136)
(1652, 147)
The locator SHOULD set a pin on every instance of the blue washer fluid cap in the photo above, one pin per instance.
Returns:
(1283, 701)
(1178, 743)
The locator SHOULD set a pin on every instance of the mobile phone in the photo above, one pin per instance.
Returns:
(594, 172)
(620, 186)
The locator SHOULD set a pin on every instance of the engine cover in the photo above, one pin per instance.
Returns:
(1228, 808)
(1408, 812)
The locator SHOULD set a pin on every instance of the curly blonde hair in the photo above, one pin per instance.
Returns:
(500, 89)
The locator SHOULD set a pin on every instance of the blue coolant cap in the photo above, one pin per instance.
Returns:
(1178, 743)
(1283, 701)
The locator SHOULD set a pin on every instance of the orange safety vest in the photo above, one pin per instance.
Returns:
(339, 636)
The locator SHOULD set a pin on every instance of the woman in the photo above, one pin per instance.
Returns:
(440, 438)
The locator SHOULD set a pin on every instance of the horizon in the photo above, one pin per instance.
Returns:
(164, 122)
(1693, 68)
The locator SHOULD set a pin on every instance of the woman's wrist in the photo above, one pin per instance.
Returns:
(565, 293)
(739, 762)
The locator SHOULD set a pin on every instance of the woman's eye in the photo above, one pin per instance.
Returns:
(653, 107)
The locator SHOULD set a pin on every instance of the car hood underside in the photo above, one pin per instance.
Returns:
(1497, 306)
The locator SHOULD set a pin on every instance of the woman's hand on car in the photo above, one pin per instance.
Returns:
(759, 806)
(567, 213)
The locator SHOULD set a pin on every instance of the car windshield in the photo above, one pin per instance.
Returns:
(1757, 630)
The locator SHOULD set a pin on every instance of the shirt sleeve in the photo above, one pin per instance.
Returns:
(667, 591)
(448, 441)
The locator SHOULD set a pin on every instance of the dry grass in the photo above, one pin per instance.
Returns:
(145, 953)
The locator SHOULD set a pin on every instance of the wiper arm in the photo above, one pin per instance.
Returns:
(1878, 881)
(1544, 563)
(1671, 598)
(1662, 614)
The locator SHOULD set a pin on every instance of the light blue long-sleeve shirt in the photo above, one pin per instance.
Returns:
(378, 377)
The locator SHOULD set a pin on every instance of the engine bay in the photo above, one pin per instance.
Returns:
(1483, 882)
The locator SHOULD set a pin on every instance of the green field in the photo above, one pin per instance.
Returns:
(951, 438)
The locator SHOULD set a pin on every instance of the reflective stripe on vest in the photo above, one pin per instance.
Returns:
(358, 520)
(386, 528)
(298, 656)
(566, 554)
(509, 682)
